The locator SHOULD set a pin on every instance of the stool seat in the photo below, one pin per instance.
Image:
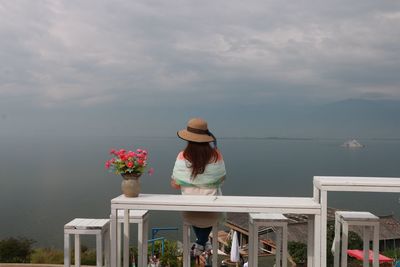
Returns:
(357, 216)
(83, 226)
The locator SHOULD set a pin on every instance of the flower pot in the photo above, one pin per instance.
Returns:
(130, 184)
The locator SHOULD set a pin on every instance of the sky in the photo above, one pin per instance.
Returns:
(250, 68)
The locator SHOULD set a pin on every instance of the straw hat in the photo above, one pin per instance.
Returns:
(196, 131)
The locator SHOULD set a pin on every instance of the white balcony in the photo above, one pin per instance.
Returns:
(315, 207)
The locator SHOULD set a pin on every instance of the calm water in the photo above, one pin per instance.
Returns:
(44, 183)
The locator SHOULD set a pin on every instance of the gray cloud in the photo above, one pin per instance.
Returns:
(105, 55)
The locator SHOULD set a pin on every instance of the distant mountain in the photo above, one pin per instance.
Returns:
(347, 119)
(360, 108)
(359, 117)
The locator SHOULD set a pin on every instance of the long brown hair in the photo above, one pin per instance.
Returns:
(199, 155)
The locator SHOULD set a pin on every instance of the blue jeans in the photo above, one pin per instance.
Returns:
(202, 234)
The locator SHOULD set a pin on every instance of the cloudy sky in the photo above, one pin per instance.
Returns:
(251, 68)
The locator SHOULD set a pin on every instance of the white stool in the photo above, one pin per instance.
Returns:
(77, 227)
(186, 241)
(268, 219)
(140, 217)
(345, 218)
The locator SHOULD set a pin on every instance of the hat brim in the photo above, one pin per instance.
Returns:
(193, 137)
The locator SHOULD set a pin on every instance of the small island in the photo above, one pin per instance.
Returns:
(352, 144)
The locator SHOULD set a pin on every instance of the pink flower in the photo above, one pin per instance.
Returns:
(131, 154)
(107, 165)
(127, 160)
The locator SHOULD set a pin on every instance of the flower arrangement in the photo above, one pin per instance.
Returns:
(128, 162)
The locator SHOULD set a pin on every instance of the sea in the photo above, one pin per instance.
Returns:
(47, 181)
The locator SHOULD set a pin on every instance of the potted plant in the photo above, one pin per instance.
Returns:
(130, 165)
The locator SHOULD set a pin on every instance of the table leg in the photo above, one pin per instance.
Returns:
(310, 241)
(126, 238)
(345, 238)
(366, 238)
(215, 245)
(141, 242)
(250, 248)
(145, 240)
(186, 240)
(253, 242)
(119, 235)
(99, 249)
(324, 212)
(77, 250)
(376, 245)
(278, 247)
(113, 238)
(67, 251)
(336, 242)
(107, 248)
(317, 241)
(285, 246)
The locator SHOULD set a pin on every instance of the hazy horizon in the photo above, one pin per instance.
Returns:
(254, 68)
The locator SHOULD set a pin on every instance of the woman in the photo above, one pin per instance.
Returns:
(199, 170)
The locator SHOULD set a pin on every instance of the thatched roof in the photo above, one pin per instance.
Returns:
(390, 228)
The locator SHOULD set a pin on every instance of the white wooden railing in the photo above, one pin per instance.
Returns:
(315, 207)
(285, 205)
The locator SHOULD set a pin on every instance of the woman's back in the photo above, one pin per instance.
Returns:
(199, 170)
(212, 175)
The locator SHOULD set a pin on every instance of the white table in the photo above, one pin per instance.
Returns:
(293, 205)
(323, 184)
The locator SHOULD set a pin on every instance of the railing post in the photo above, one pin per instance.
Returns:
(324, 213)
(113, 233)
(186, 239)
(310, 241)
(215, 245)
